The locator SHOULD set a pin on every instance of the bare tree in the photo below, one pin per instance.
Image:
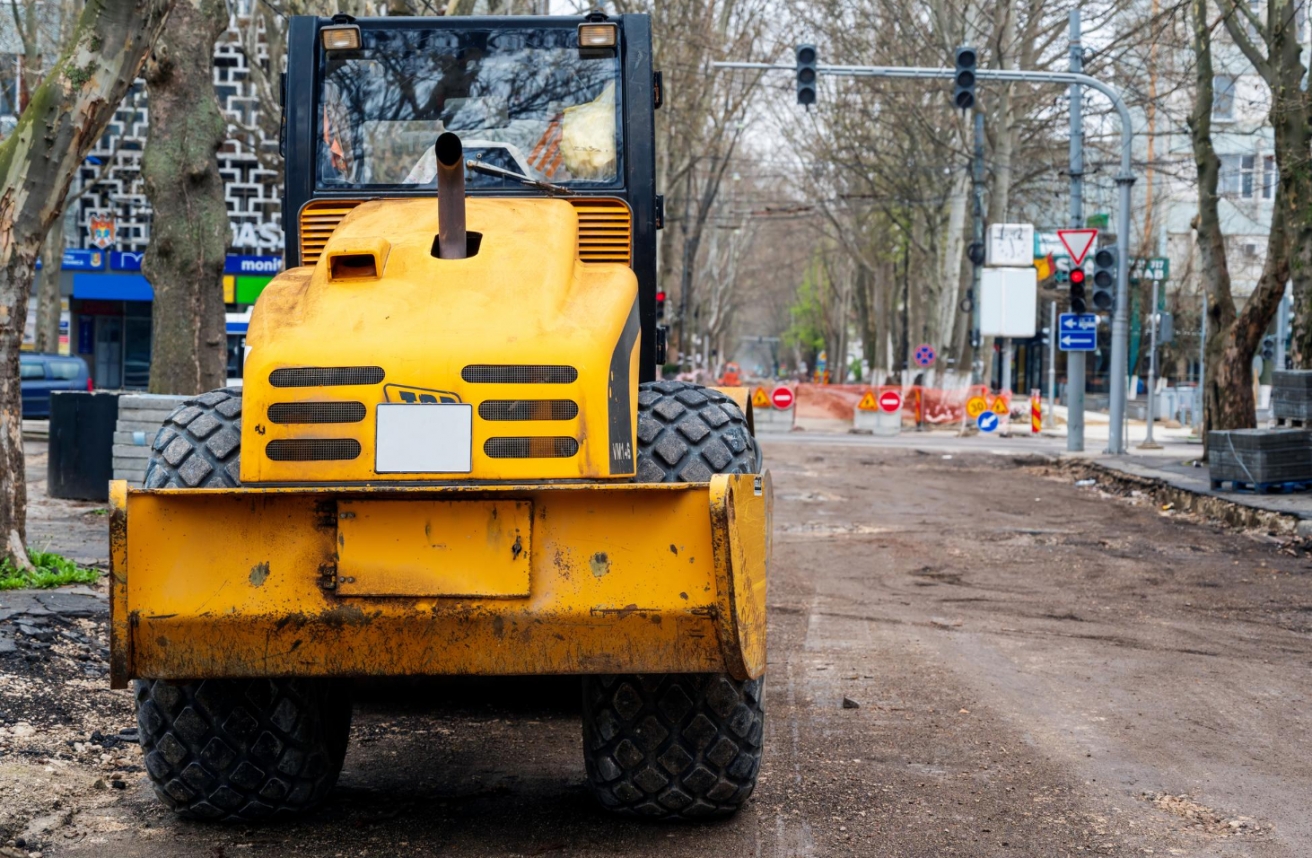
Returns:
(189, 230)
(65, 116)
(1274, 48)
(1232, 337)
(42, 34)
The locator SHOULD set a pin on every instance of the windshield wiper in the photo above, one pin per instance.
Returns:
(500, 173)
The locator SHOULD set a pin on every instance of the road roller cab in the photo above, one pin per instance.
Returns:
(450, 454)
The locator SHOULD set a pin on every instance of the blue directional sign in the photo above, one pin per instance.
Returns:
(987, 421)
(1077, 332)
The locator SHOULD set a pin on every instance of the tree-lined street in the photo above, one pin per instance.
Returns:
(1033, 668)
(388, 390)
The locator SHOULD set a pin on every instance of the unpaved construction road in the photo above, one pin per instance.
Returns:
(968, 656)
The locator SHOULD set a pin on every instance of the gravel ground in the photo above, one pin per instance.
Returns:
(969, 655)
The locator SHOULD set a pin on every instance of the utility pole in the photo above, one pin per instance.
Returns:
(1075, 370)
(1148, 442)
(1202, 364)
(1051, 421)
(977, 191)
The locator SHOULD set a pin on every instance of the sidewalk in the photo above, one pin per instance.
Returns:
(1175, 467)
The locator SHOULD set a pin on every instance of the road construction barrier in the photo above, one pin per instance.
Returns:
(832, 407)
(139, 418)
(764, 411)
(880, 411)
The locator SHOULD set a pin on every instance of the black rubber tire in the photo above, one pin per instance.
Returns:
(233, 749)
(243, 749)
(687, 432)
(672, 746)
(199, 445)
(678, 746)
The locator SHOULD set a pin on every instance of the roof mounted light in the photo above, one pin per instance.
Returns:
(593, 35)
(341, 37)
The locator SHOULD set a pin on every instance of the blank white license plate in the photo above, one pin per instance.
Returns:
(424, 439)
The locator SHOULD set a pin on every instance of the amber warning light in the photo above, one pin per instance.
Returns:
(598, 35)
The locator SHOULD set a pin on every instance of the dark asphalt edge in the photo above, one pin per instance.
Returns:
(1233, 512)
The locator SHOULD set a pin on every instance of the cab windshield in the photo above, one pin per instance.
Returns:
(521, 99)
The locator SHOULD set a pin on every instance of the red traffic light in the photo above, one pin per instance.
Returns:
(1077, 276)
(660, 296)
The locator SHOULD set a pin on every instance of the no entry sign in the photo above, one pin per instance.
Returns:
(782, 398)
(890, 401)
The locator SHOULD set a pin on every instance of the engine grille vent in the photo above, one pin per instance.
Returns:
(528, 409)
(325, 376)
(316, 412)
(313, 450)
(318, 220)
(530, 448)
(605, 230)
(512, 374)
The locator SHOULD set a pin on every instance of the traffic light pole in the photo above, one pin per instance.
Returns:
(977, 194)
(1124, 182)
(1075, 370)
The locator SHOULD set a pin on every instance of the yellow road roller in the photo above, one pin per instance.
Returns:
(450, 454)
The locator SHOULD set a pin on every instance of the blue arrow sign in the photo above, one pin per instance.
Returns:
(987, 421)
(1077, 332)
(1078, 341)
(1078, 322)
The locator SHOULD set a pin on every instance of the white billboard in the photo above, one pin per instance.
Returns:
(1008, 302)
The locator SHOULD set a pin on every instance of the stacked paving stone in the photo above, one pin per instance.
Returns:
(139, 418)
(1262, 458)
(1291, 395)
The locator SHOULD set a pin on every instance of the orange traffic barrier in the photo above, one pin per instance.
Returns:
(920, 404)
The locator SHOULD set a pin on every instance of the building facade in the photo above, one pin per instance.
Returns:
(108, 217)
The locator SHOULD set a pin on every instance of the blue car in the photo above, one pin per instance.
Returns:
(43, 374)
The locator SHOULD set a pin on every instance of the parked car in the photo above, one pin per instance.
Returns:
(42, 374)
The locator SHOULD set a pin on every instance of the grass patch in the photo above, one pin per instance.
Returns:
(52, 570)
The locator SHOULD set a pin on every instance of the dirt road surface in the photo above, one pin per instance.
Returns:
(969, 655)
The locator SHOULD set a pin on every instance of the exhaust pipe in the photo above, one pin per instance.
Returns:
(452, 240)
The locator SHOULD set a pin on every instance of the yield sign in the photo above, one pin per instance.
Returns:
(1077, 242)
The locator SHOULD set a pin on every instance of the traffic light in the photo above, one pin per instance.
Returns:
(1104, 279)
(1268, 349)
(806, 74)
(975, 253)
(963, 95)
(1079, 300)
(660, 304)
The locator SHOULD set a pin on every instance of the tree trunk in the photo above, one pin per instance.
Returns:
(1232, 338)
(48, 304)
(67, 114)
(189, 231)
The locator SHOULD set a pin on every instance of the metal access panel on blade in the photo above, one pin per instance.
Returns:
(429, 548)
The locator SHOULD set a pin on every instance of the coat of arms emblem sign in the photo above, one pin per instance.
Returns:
(102, 230)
